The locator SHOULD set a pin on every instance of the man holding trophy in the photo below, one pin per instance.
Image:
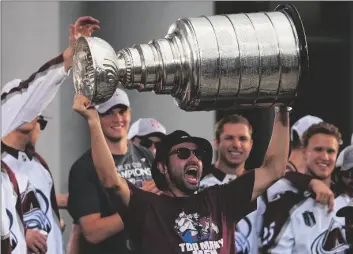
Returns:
(258, 62)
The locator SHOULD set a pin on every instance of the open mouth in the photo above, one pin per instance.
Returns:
(191, 175)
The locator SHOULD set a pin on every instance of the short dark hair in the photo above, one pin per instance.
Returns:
(321, 128)
(232, 119)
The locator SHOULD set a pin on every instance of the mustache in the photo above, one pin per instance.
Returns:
(191, 163)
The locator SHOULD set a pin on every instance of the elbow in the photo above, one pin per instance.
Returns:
(91, 237)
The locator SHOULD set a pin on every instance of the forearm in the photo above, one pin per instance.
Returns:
(62, 199)
(102, 228)
(73, 245)
(276, 156)
(104, 163)
(299, 181)
(23, 100)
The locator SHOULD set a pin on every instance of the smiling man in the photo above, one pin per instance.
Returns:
(179, 221)
(88, 203)
(310, 227)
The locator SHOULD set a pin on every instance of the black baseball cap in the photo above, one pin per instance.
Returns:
(170, 140)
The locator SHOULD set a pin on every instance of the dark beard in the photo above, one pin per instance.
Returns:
(179, 182)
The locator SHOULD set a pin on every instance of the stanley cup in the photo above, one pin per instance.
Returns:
(206, 63)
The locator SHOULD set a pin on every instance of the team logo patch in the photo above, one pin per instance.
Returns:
(309, 218)
(331, 241)
(35, 208)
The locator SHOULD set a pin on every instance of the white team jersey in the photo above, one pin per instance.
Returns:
(35, 184)
(247, 230)
(5, 222)
(11, 224)
(23, 101)
(311, 229)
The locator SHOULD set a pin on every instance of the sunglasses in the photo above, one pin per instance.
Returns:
(146, 142)
(42, 123)
(185, 153)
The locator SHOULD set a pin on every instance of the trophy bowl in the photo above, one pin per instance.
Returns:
(94, 69)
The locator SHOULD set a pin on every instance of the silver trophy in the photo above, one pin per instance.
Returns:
(206, 63)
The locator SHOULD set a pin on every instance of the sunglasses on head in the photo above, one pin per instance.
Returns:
(42, 123)
(185, 153)
(146, 142)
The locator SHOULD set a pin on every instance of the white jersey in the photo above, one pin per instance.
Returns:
(35, 185)
(5, 221)
(247, 230)
(11, 222)
(23, 101)
(311, 229)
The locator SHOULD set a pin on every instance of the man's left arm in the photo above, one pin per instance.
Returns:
(276, 157)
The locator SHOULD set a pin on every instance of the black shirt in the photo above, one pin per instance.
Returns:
(201, 223)
(88, 196)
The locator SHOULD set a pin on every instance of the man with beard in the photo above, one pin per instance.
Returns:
(186, 222)
(233, 143)
(312, 228)
(22, 101)
(98, 218)
(146, 132)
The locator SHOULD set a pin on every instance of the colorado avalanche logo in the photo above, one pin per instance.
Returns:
(191, 228)
(331, 241)
(13, 238)
(241, 235)
(34, 215)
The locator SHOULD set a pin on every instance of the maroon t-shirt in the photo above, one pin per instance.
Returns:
(200, 223)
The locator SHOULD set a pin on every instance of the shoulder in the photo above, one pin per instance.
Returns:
(83, 163)
(279, 187)
(209, 180)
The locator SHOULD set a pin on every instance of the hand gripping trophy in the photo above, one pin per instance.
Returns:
(205, 63)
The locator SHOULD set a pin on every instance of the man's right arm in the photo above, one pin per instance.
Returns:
(84, 207)
(112, 181)
(22, 101)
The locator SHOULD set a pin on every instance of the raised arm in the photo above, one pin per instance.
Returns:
(102, 157)
(275, 161)
(24, 100)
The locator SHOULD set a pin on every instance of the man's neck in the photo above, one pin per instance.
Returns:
(238, 170)
(326, 181)
(175, 193)
(296, 157)
(16, 140)
(118, 148)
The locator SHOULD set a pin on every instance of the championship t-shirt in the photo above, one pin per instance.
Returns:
(198, 224)
(88, 196)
